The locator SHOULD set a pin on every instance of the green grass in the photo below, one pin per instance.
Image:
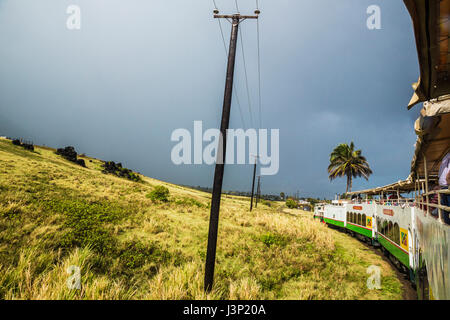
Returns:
(129, 245)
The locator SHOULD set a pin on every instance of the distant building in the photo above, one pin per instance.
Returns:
(304, 205)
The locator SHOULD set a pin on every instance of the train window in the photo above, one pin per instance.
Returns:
(396, 235)
(384, 229)
(390, 232)
(352, 217)
(363, 222)
(348, 216)
(359, 219)
(379, 225)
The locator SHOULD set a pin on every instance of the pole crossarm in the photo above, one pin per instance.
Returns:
(234, 16)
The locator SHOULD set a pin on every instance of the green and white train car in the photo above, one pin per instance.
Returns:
(318, 211)
(394, 231)
(357, 218)
(360, 218)
(334, 214)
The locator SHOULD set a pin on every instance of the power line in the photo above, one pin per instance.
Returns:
(226, 54)
(246, 81)
(259, 70)
(237, 8)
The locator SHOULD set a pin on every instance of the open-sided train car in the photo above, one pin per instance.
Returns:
(432, 220)
(431, 23)
(393, 221)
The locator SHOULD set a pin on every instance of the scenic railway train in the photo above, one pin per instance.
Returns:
(408, 219)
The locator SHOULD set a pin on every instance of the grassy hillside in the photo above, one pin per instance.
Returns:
(55, 214)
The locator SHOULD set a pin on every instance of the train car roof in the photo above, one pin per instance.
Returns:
(433, 138)
(431, 24)
(402, 186)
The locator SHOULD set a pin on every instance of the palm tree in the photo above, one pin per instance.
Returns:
(346, 161)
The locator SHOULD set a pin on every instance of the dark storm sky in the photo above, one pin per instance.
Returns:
(139, 69)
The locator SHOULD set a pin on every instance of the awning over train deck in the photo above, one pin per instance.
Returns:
(402, 186)
(431, 22)
(433, 141)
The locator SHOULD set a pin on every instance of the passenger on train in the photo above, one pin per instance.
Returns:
(434, 200)
(444, 182)
(391, 199)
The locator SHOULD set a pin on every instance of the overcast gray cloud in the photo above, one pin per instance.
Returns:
(139, 69)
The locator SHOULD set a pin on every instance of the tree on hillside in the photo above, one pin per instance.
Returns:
(346, 161)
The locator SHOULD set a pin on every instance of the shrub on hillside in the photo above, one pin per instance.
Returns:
(160, 193)
(291, 204)
(270, 239)
(266, 202)
(117, 170)
(26, 145)
(70, 154)
(189, 202)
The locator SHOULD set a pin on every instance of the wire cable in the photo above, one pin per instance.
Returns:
(246, 81)
(237, 8)
(234, 87)
(259, 69)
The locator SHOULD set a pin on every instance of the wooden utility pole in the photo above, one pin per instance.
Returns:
(258, 191)
(220, 162)
(253, 184)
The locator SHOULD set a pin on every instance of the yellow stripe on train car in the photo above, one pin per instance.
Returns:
(404, 238)
(369, 222)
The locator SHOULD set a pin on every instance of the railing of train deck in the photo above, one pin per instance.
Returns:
(435, 209)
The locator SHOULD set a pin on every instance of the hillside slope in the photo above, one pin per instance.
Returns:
(55, 214)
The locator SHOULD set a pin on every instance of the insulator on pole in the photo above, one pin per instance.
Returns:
(257, 11)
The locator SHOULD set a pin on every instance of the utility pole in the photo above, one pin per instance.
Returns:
(258, 191)
(220, 162)
(253, 183)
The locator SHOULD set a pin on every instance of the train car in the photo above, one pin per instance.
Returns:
(318, 211)
(354, 217)
(392, 220)
(431, 213)
(394, 229)
(334, 214)
(359, 219)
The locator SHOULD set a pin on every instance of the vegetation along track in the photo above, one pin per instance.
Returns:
(133, 240)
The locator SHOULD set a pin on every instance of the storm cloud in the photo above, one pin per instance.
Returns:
(137, 70)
